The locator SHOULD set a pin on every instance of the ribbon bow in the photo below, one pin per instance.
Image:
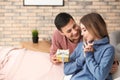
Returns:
(63, 53)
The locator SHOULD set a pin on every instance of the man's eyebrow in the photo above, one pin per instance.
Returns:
(74, 25)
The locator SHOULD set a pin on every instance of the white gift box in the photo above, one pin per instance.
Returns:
(62, 55)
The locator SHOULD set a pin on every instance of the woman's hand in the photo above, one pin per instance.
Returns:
(88, 47)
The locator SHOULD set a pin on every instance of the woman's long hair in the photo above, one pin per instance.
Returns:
(95, 24)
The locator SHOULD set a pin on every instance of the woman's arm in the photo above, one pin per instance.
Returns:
(76, 61)
(100, 71)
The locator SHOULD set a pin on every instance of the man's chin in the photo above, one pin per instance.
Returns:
(77, 38)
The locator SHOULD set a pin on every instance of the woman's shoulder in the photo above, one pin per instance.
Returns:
(80, 45)
(78, 50)
(109, 46)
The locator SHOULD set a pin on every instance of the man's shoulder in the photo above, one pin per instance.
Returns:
(57, 34)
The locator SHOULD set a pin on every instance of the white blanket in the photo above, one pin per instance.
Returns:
(22, 64)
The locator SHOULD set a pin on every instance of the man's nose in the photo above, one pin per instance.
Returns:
(74, 31)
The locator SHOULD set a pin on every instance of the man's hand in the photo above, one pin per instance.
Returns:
(114, 66)
(54, 60)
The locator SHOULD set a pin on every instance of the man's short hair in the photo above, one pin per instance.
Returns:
(62, 19)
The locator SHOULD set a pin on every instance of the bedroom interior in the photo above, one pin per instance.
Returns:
(20, 59)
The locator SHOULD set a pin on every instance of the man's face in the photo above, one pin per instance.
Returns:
(71, 31)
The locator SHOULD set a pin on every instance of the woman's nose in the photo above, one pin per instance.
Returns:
(81, 33)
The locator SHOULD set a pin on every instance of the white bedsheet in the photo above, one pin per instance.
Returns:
(22, 64)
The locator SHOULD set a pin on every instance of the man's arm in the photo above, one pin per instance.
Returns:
(114, 66)
(54, 46)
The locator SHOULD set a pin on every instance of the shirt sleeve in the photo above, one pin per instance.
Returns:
(55, 43)
(100, 71)
(76, 62)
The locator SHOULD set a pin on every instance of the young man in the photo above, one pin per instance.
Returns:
(67, 36)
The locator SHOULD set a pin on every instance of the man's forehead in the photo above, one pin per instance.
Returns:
(69, 25)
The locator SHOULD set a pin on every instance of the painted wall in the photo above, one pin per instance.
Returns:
(17, 20)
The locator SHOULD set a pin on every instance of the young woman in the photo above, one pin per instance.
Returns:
(95, 59)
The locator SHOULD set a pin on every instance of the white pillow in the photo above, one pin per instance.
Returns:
(67, 77)
(118, 47)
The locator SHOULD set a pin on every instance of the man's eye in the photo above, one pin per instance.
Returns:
(68, 31)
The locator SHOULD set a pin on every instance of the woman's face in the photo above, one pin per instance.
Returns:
(86, 35)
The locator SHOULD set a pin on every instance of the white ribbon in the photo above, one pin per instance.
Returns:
(63, 53)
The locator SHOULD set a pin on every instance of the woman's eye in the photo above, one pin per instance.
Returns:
(84, 30)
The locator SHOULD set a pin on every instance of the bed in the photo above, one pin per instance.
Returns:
(24, 64)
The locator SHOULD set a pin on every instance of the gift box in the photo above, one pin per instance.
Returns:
(62, 55)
